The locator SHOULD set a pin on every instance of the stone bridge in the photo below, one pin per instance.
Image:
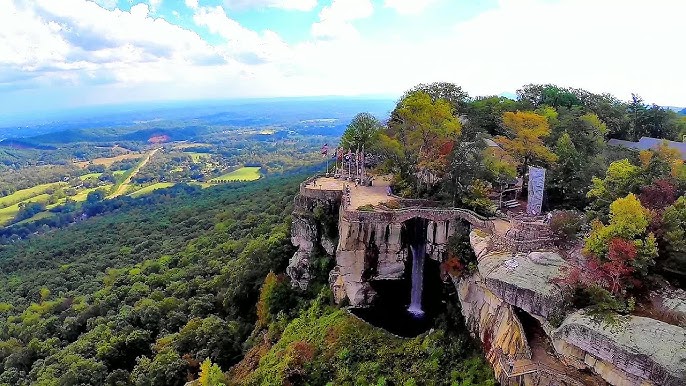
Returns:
(369, 204)
(440, 219)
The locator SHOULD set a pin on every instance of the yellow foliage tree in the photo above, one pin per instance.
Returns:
(211, 374)
(424, 126)
(526, 143)
(266, 291)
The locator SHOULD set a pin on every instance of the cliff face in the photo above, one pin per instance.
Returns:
(491, 320)
(638, 351)
(509, 302)
(311, 233)
(374, 250)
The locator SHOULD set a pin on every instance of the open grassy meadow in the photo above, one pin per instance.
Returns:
(248, 173)
(151, 188)
(9, 213)
(198, 157)
(27, 194)
(107, 162)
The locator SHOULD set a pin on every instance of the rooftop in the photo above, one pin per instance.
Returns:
(647, 143)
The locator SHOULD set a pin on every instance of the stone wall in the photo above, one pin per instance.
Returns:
(433, 214)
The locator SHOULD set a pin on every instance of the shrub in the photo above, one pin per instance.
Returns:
(565, 226)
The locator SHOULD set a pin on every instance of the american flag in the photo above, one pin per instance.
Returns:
(325, 149)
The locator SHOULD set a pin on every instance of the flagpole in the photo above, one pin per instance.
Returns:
(350, 161)
(363, 169)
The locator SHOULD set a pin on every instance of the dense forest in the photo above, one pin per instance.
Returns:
(146, 291)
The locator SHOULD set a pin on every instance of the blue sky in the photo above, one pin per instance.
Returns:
(70, 53)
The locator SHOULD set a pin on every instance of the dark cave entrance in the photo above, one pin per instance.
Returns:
(535, 335)
(390, 309)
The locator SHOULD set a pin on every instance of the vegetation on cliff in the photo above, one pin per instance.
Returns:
(444, 145)
(327, 345)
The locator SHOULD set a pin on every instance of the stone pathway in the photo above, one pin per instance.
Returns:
(359, 195)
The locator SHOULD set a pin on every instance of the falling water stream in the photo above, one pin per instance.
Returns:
(418, 252)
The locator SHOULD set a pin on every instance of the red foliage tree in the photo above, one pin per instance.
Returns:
(659, 195)
(613, 274)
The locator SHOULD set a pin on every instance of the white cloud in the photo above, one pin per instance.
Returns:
(295, 5)
(125, 55)
(155, 5)
(335, 21)
(408, 7)
(74, 41)
(192, 4)
(244, 45)
(107, 4)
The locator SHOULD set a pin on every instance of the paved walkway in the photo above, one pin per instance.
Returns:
(359, 195)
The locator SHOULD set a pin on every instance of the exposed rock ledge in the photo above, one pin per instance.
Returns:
(635, 351)
(640, 351)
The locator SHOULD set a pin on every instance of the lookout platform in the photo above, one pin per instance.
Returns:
(372, 198)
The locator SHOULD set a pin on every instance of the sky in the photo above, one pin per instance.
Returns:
(58, 54)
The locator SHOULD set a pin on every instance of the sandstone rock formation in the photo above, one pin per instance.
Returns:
(310, 235)
(637, 351)
(496, 297)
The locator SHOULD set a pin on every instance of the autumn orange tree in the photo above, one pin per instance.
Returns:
(525, 143)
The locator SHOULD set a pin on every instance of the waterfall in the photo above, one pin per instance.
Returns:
(418, 252)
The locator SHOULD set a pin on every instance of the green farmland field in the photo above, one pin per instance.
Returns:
(151, 188)
(243, 174)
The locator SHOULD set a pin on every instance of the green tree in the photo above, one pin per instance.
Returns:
(420, 139)
(628, 221)
(567, 182)
(486, 114)
(621, 178)
(674, 220)
(450, 92)
(362, 132)
(166, 368)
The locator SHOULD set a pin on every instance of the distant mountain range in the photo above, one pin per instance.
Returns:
(680, 110)
(184, 120)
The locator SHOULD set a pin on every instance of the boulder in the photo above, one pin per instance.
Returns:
(526, 281)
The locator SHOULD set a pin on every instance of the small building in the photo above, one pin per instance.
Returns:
(647, 143)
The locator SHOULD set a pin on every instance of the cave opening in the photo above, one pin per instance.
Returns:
(394, 297)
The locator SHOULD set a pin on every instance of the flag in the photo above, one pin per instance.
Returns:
(325, 149)
(339, 153)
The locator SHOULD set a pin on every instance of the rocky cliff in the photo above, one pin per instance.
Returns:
(314, 233)
(637, 351)
(509, 300)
